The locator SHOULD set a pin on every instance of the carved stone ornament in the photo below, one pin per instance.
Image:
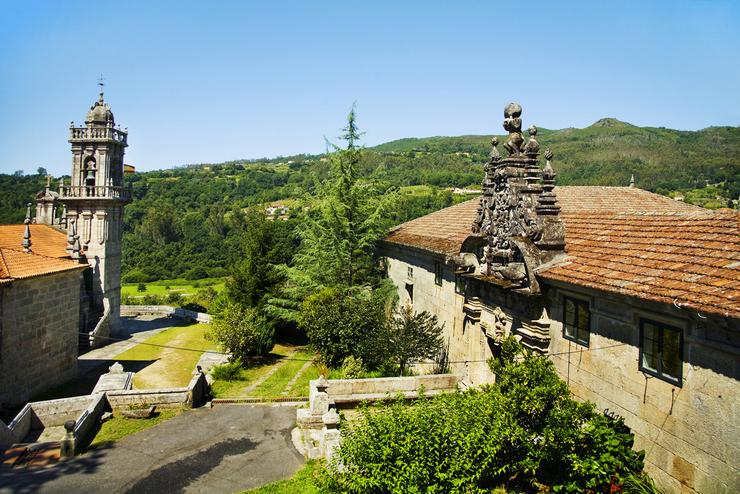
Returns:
(517, 218)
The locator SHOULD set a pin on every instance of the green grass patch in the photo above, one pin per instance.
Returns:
(174, 352)
(301, 386)
(119, 426)
(256, 368)
(276, 383)
(304, 481)
(165, 287)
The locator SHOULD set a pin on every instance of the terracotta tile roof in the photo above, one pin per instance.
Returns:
(47, 254)
(622, 240)
(20, 265)
(45, 240)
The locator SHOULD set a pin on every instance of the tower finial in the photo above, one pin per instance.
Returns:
(101, 84)
(27, 231)
(632, 181)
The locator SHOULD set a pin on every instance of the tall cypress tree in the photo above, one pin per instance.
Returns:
(344, 221)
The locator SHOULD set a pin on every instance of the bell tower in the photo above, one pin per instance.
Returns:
(95, 199)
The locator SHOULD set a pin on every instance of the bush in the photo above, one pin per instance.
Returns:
(141, 287)
(413, 336)
(340, 322)
(230, 371)
(352, 368)
(195, 307)
(174, 298)
(242, 331)
(524, 433)
(136, 276)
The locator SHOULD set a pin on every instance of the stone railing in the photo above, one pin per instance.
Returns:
(164, 310)
(99, 335)
(106, 133)
(80, 414)
(94, 191)
(317, 434)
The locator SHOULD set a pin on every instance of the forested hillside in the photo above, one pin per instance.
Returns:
(189, 221)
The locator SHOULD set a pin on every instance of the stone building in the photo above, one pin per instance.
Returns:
(635, 298)
(60, 277)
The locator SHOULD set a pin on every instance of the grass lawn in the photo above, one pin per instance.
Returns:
(300, 387)
(172, 367)
(276, 383)
(257, 368)
(304, 482)
(183, 287)
(118, 427)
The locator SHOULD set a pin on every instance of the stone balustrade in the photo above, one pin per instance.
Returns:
(95, 191)
(104, 133)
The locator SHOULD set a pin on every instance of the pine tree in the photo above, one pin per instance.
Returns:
(346, 217)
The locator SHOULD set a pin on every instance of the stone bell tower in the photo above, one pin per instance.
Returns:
(94, 200)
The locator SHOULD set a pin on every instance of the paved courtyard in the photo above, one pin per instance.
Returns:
(221, 450)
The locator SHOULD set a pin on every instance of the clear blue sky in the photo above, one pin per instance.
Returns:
(212, 81)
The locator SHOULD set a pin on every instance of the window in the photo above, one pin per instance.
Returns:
(576, 320)
(459, 284)
(410, 273)
(438, 273)
(661, 350)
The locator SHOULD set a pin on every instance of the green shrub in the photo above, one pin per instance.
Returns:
(525, 433)
(340, 322)
(352, 368)
(230, 371)
(136, 276)
(174, 298)
(242, 331)
(195, 307)
(141, 287)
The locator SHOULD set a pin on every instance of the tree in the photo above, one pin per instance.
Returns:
(254, 275)
(346, 217)
(18, 173)
(41, 171)
(342, 322)
(345, 222)
(243, 331)
(413, 336)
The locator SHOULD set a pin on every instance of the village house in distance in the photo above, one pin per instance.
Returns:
(635, 297)
(60, 275)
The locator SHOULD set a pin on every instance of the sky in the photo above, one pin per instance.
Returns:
(211, 81)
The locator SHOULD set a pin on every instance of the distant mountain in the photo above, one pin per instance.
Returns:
(609, 151)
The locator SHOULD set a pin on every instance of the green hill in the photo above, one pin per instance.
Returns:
(609, 151)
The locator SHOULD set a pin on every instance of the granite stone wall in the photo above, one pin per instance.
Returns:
(39, 324)
(691, 433)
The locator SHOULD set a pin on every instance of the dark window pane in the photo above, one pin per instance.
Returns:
(570, 312)
(583, 317)
(671, 353)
